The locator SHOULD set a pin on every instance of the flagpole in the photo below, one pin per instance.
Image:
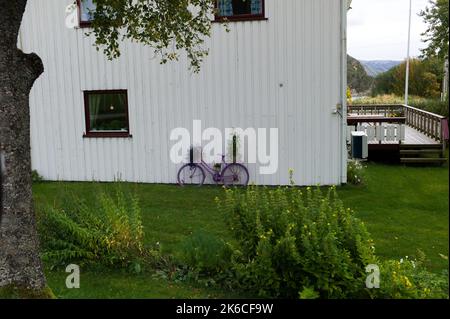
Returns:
(407, 55)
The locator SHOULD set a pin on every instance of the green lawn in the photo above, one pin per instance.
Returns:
(119, 285)
(404, 208)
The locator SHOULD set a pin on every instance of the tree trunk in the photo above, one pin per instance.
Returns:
(20, 265)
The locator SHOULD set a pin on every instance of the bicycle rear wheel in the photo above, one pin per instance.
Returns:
(235, 175)
(191, 174)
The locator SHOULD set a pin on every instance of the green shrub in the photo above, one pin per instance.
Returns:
(36, 177)
(308, 293)
(431, 105)
(293, 243)
(408, 279)
(205, 253)
(107, 232)
(381, 99)
(355, 172)
(349, 96)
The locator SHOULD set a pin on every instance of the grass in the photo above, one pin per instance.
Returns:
(404, 208)
(121, 285)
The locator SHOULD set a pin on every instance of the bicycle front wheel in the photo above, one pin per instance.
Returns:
(235, 175)
(191, 174)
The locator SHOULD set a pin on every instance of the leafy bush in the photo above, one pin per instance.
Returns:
(381, 99)
(408, 279)
(431, 105)
(355, 172)
(36, 177)
(108, 232)
(293, 243)
(205, 253)
(308, 293)
(349, 96)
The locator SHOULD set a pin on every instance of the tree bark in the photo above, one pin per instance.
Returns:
(20, 264)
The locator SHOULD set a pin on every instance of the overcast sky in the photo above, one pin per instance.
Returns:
(378, 29)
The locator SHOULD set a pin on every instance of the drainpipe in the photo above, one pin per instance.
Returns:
(345, 6)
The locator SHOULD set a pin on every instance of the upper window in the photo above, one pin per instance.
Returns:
(86, 11)
(106, 113)
(239, 10)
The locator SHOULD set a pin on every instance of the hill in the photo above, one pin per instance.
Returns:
(373, 68)
(357, 78)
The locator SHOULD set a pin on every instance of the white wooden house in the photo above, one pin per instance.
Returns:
(282, 65)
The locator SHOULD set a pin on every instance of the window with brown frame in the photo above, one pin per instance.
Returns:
(240, 10)
(86, 9)
(106, 113)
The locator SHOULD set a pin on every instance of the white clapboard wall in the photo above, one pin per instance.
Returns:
(282, 73)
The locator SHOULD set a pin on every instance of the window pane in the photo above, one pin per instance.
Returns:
(87, 7)
(241, 7)
(225, 8)
(228, 8)
(256, 6)
(108, 112)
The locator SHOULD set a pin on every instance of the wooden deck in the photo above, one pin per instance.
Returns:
(401, 132)
(415, 137)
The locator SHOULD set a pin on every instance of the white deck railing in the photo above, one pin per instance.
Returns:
(384, 133)
(428, 123)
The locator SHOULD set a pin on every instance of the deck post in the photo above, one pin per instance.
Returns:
(443, 133)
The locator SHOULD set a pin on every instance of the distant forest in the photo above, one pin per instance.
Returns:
(426, 77)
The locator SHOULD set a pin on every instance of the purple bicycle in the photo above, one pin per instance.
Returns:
(233, 174)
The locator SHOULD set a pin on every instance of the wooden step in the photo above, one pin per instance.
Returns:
(423, 160)
(421, 146)
(423, 151)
